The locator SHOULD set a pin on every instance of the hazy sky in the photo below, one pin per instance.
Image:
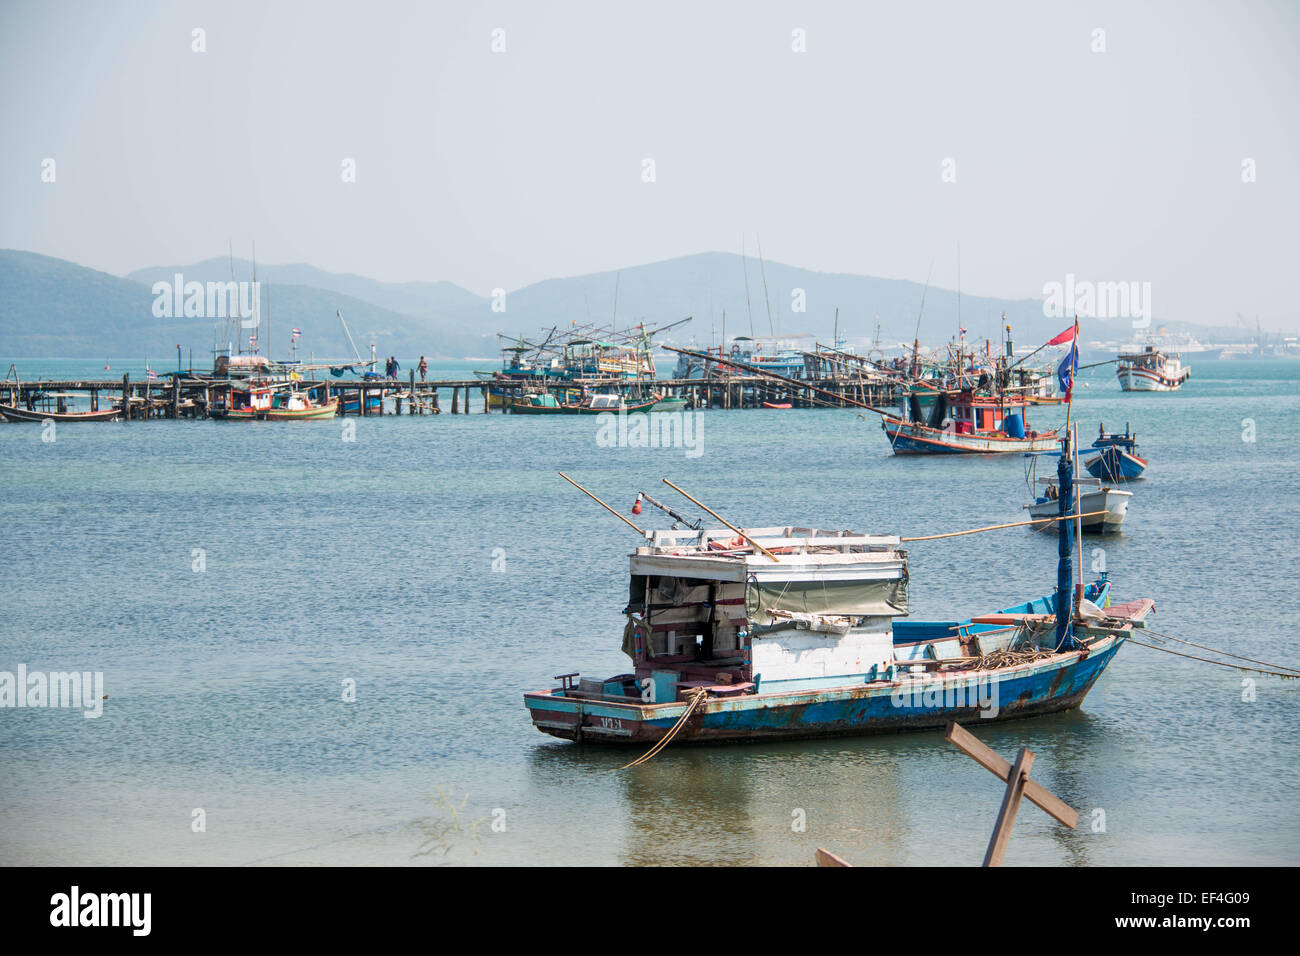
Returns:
(501, 168)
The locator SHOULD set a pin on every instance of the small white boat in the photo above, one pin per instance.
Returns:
(1093, 497)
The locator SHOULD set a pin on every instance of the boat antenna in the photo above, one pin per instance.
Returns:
(959, 325)
(763, 269)
(257, 302)
(916, 339)
(701, 504)
(601, 503)
(744, 265)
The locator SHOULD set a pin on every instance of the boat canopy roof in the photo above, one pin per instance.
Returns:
(800, 553)
(226, 363)
(814, 571)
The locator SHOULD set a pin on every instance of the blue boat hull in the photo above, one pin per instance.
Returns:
(1115, 464)
(922, 702)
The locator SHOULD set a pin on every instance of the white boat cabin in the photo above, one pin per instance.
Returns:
(708, 609)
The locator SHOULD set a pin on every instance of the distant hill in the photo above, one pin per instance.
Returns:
(410, 298)
(53, 308)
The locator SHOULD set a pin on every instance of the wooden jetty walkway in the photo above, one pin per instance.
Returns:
(190, 394)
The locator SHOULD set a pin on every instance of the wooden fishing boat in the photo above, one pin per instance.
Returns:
(298, 406)
(781, 405)
(669, 404)
(767, 633)
(1116, 457)
(17, 414)
(245, 403)
(536, 403)
(1094, 496)
(608, 404)
(1151, 371)
(965, 422)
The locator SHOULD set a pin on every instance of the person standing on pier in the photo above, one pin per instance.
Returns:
(424, 367)
(396, 368)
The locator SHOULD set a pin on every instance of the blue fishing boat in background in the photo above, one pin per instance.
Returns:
(1116, 457)
(769, 633)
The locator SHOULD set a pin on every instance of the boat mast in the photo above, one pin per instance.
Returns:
(1065, 499)
(744, 265)
(771, 326)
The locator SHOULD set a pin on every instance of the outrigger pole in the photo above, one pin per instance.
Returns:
(722, 519)
(601, 503)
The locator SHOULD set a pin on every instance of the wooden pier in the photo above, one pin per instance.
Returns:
(196, 395)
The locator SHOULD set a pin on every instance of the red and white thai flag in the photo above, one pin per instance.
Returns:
(1066, 336)
(150, 374)
(297, 332)
(1070, 364)
(252, 341)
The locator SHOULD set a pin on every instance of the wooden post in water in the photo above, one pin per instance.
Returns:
(126, 397)
(455, 400)
(487, 405)
(411, 410)
(1018, 785)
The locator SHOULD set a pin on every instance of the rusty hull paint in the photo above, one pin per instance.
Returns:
(1054, 684)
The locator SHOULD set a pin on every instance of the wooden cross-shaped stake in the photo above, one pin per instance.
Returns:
(1018, 785)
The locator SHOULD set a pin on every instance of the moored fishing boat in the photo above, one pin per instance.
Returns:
(296, 406)
(669, 404)
(608, 404)
(19, 414)
(245, 403)
(1151, 371)
(768, 633)
(1103, 508)
(535, 403)
(967, 423)
(1115, 457)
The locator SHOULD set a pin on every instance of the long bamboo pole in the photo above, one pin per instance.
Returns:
(601, 503)
(999, 527)
(723, 520)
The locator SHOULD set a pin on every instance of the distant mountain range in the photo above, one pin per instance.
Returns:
(53, 308)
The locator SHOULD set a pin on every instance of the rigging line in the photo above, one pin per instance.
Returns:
(1216, 650)
(1206, 660)
(697, 695)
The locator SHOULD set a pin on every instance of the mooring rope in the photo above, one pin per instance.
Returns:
(697, 695)
(1204, 647)
(1235, 667)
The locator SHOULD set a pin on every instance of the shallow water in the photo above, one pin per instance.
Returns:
(373, 561)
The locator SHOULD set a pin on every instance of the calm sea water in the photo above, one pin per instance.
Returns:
(372, 561)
